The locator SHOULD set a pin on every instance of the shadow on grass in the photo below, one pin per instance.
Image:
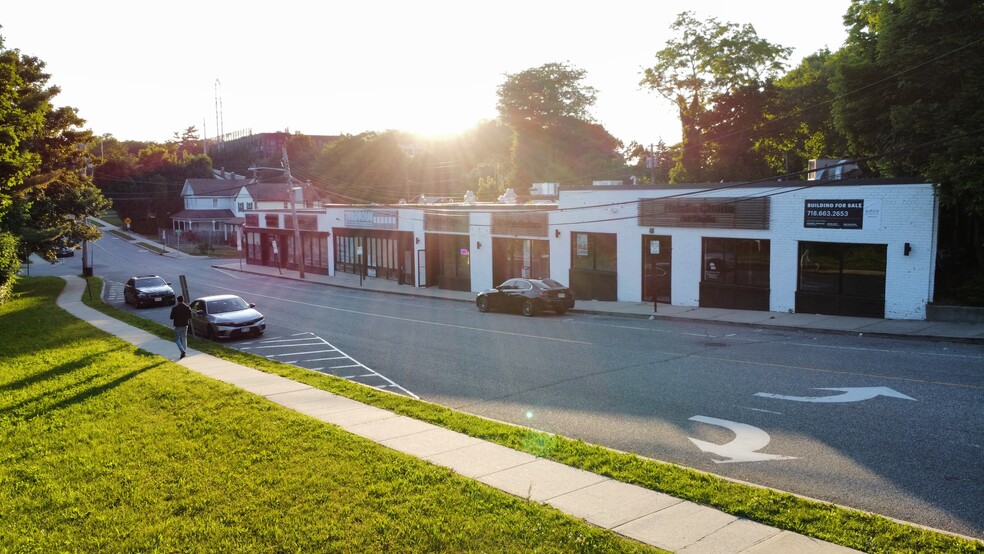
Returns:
(81, 390)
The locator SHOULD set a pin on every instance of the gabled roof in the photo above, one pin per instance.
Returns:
(230, 188)
(213, 188)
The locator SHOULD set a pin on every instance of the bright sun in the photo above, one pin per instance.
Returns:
(443, 116)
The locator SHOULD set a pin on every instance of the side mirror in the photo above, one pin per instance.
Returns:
(200, 312)
(252, 305)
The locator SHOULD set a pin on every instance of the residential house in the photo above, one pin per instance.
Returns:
(215, 208)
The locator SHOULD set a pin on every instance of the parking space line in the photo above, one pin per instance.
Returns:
(307, 340)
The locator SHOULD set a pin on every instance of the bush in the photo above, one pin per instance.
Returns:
(9, 265)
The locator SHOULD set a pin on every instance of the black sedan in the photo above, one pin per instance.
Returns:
(225, 316)
(529, 296)
(148, 290)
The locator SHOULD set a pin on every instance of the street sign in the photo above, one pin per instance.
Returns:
(654, 247)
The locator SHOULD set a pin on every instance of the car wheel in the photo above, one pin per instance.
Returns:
(560, 311)
(483, 304)
(528, 308)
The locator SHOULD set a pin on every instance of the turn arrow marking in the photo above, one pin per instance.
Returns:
(743, 448)
(856, 394)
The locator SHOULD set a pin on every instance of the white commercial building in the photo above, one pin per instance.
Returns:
(864, 247)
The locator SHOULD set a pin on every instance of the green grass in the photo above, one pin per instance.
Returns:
(104, 447)
(863, 531)
(120, 234)
(112, 219)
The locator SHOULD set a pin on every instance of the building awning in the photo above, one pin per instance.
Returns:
(225, 216)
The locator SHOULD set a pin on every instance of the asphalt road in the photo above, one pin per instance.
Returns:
(885, 425)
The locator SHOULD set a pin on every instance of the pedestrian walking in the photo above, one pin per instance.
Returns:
(181, 314)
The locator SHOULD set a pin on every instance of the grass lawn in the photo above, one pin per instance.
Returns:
(104, 447)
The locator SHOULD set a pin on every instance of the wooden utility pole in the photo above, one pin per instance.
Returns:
(298, 246)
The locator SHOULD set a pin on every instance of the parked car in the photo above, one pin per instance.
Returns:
(64, 252)
(529, 296)
(225, 316)
(148, 290)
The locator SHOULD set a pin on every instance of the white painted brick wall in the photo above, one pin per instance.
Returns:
(907, 214)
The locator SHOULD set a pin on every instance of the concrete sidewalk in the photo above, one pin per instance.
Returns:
(635, 512)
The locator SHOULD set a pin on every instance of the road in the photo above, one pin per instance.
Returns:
(884, 425)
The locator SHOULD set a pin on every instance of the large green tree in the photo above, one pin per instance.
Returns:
(700, 67)
(799, 124)
(908, 91)
(45, 191)
(555, 137)
(364, 168)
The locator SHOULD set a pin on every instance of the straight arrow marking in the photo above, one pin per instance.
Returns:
(747, 441)
(855, 394)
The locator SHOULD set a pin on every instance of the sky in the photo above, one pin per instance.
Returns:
(146, 70)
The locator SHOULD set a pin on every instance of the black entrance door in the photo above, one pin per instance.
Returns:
(656, 269)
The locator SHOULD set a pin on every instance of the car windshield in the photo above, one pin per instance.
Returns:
(151, 282)
(226, 305)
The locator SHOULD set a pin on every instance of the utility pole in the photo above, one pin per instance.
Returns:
(298, 247)
(652, 165)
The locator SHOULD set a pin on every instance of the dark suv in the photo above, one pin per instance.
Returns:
(148, 290)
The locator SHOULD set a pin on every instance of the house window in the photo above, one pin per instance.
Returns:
(215, 202)
(249, 205)
(242, 205)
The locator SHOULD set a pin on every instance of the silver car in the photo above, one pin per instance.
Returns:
(225, 316)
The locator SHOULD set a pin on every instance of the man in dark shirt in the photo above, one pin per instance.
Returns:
(181, 314)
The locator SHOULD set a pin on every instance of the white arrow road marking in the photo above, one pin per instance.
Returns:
(743, 448)
(856, 394)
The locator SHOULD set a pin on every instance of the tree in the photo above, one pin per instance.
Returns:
(555, 137)
(545, 96)
(45, 191)
(187, 143)
(800, 125)
(364, 168)
(707, 61)
(908, 83)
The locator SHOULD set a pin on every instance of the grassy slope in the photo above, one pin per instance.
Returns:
(104, 447)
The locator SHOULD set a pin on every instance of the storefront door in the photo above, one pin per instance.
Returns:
(656, 267)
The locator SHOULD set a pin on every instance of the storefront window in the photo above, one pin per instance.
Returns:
(595, 251)
(520, 258)
(456, 261)
(843, 269)
(737, 262)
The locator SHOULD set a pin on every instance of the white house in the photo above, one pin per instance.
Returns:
(217, 206)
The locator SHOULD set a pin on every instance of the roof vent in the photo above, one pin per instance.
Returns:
(826, 169)
(508, 197)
